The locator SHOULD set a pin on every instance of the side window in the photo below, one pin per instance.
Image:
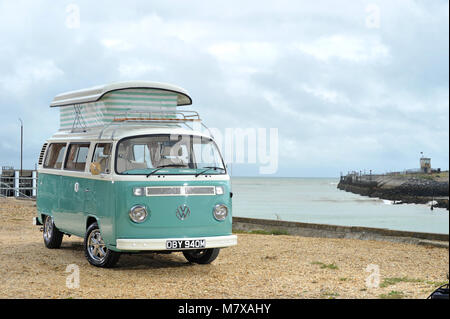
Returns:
(102, 155)
(55, 155)
(77, 156)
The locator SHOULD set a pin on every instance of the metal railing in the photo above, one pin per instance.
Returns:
(180, 117)
(18, 186)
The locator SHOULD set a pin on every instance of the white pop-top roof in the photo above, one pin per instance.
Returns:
(95, 93)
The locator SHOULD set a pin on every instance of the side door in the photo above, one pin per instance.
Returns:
(99, 199)
(101, 156)
(74, 186)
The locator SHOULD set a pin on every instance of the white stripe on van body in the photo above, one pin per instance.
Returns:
(136, 178)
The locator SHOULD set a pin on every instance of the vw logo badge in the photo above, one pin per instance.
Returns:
(183, 212)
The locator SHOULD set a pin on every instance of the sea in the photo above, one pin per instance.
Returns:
(319, 201)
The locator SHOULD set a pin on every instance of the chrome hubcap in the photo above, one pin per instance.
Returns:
(48, 228)
(96, 246)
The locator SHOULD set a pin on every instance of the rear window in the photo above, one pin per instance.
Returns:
(55, 155)
(77, 156)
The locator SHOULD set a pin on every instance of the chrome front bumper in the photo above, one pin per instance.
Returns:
(160, 243)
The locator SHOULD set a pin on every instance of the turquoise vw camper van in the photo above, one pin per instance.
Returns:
(129, 171)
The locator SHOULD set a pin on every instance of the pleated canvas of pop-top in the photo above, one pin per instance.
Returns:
(117, 105)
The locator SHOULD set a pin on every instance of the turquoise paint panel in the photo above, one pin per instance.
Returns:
(47, 199)
(57, 197)
(163, 222)
(69, 217)
(100, 204)
(109, 203)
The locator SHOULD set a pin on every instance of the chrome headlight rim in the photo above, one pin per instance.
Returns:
(133, 211)
(222, 216)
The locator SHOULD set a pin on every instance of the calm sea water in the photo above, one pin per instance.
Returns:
(317, 200)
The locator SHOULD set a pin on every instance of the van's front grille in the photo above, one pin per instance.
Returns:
(180, 190)
(163, 191)
(200, 190)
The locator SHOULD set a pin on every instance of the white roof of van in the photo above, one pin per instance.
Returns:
(117, 133)
(95, 93)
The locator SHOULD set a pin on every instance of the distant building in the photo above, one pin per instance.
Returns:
(425, 165)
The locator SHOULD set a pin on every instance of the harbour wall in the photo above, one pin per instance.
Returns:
(400, 189)
(334, 231)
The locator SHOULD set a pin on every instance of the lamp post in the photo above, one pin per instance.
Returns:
(21, 145)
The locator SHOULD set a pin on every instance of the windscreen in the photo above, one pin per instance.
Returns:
(169, 154)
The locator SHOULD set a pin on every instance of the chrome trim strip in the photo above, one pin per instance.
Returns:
(163, 191)
(180, 190)
(200, 190)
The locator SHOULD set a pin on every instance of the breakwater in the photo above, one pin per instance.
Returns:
(408, 188)
(335, 231)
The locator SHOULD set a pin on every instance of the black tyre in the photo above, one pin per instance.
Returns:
(95, 249)
(52, 236)
(201, 256)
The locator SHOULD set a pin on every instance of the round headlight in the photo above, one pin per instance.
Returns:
(220, 212)
(138, 213)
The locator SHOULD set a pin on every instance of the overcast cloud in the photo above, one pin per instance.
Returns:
(346, 88)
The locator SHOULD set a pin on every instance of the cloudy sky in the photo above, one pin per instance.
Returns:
(350, 85)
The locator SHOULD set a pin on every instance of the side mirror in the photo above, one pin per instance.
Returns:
(95, 168)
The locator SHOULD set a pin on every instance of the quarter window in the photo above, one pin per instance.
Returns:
(77, 156)
(55, 155)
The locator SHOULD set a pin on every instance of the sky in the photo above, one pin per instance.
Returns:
(348, 85)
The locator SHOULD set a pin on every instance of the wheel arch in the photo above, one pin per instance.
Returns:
(90, 220)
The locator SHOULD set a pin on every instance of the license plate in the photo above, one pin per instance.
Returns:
(186, 244)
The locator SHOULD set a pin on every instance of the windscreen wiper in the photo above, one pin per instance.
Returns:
(208, 168)
(164, 166)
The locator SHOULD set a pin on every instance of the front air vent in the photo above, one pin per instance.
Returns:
(41, 156)
(200, 190)
(180, 191)
(163, 191)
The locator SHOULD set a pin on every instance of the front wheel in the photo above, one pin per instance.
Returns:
(52, 236)
(95, 249)
(201, 256)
